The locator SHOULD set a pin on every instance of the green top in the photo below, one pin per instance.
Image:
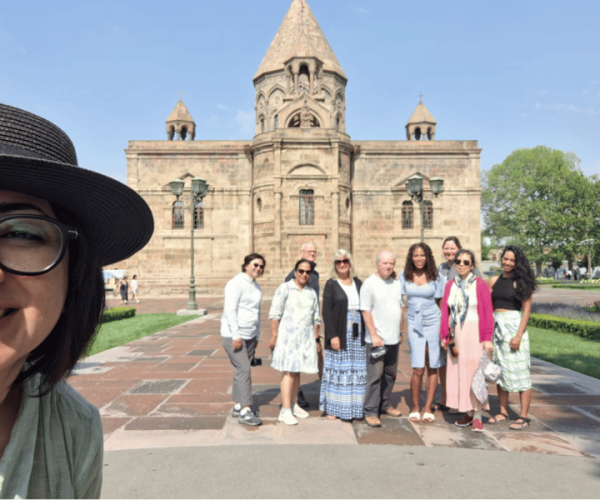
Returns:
(56, 447)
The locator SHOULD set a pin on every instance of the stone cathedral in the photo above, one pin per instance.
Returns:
(300, 178)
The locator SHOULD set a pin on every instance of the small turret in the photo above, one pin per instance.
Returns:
(180, 123)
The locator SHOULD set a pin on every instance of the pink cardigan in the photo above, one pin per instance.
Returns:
(485, 311)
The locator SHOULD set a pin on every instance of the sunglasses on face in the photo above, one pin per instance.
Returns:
(462, 262)
(302, 271)
(343, 261)
(259, 266)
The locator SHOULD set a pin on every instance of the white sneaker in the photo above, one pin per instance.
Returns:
(299, 412)
(287, 418)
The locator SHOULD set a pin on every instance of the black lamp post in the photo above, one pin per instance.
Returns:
(199, 190)
(414, 189)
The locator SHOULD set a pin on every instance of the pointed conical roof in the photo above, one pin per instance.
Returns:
(180, 113)
(299, 36)
(421, 115)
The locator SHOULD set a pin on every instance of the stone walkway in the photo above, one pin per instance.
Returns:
(173, 389)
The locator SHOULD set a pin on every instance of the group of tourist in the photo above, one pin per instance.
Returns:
(454, 323)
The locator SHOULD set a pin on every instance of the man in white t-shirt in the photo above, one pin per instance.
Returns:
(380, 303)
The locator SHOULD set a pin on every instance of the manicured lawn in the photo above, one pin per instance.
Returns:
(563, 349)
(120, 332)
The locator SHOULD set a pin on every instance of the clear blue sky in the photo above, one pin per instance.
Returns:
(511, 74)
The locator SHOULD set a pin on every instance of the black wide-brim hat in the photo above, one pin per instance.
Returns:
(37, 158)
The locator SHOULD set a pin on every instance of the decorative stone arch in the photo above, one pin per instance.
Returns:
(302, 169)
(339, 123)
(170, 132)
(260, 99)
(261, 124)
(304, 118)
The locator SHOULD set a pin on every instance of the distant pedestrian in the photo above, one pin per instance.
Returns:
(134, 289)
(467, 327)
(240, 331)
(123, 290)
(512, 296)
(295, 342)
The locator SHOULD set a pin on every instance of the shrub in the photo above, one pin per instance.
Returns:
(585, 329)
(117, 313)
(564, 310)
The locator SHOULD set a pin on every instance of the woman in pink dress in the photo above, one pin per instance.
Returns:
(467, 328)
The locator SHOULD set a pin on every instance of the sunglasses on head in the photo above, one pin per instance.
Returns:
(303, 271)
(342, 261)
(462, 262)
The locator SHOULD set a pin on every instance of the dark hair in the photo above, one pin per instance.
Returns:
(301, 261)
(464, 250)
(250, 258)
(454, 240)
(430, 267)
(134, 276)
(59, 352)
(523, 275)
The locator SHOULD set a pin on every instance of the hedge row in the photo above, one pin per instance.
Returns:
(117, 313)
(585, 329)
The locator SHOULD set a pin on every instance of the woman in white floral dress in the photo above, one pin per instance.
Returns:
(294, 319)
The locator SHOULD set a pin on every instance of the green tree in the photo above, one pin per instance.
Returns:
(539, 199)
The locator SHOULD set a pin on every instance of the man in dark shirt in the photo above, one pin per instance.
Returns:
(308, 251)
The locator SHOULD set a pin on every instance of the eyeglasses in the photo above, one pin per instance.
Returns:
(259, 266)
(462, 262)
(343, 261)
(302, 271)
(31, 245)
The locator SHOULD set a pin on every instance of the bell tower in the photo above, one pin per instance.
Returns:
(301, 154)
(300, 75)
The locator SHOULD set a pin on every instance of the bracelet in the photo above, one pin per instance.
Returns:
(318, 340)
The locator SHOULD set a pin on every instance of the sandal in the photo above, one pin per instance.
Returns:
(496, 420)
(428, 417)
(520, 424)
(415, 417)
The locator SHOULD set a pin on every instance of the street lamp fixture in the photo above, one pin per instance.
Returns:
(414, 189)
(198, 191)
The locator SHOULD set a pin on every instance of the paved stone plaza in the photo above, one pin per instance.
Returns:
(174, 389)
(165, 402)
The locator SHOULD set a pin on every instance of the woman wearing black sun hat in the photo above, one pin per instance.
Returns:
(59, 225)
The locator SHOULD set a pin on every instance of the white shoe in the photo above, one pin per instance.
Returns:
(299, 412)
(287, 418)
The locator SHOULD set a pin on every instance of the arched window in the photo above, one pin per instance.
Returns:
(407, 215)
(307, 207)
(199, 215)
(427, 215)
(177, 215)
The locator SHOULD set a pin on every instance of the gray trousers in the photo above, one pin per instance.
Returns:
(381, 376)
(241, 391)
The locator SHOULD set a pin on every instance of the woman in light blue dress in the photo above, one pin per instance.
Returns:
(422, 291)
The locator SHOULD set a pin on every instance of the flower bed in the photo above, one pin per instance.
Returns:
(567, 318)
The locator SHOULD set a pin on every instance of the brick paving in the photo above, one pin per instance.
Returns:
(173, 389)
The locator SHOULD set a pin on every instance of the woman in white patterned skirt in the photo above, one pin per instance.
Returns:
(511, 295)
(294, 319)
